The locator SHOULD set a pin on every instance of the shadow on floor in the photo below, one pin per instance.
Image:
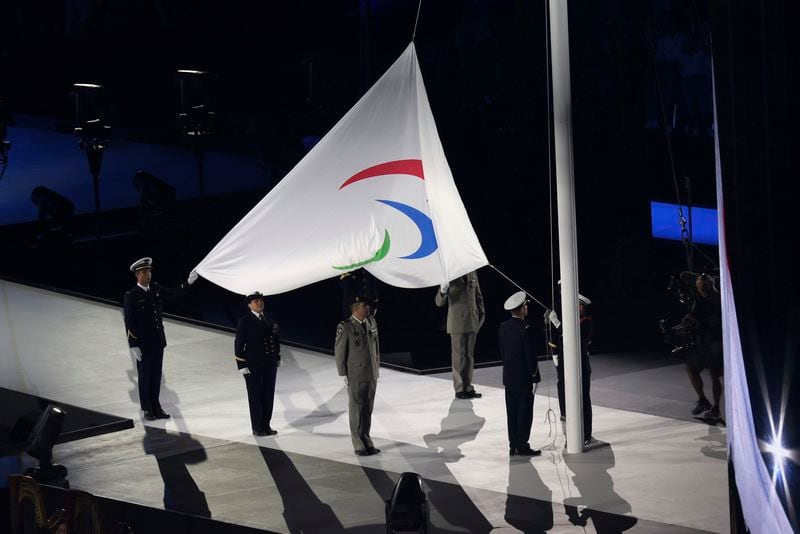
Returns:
(173, 453)
(595, 485)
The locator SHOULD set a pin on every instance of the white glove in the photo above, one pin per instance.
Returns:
(192, 277)
(552, 316)
(280, 362)
(555, 359)
(136, 352)
(346, 382)
(443, 288)
(244, 371)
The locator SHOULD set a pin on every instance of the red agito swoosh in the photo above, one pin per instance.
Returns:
(411, 167)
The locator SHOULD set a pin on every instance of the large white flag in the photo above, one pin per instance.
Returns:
(375, 192)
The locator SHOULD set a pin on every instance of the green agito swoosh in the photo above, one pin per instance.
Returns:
(382, 252)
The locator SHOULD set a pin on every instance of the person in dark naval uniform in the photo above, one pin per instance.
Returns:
(586, 331)
(358, 360)
(258, 355)
(520, 374)
(143, 307)
(358, 283)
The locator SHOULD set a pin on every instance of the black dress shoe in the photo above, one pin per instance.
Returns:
(524, 451)
(373, 450)
(361, 452)
(462, 395)
(162, 415)
(270, 432)
(474, 394)
(150, 416)
(259, 433)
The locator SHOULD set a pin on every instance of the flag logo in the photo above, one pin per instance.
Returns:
(428, 244)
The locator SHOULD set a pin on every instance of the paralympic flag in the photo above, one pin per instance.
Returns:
(376, 192)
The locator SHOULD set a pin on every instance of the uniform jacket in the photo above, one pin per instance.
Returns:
(520, 364)
(257, 342)
(357, 350)
(587, 329)
(143, 314)
(465, 312)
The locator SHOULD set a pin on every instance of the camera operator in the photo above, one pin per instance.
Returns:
(705, 320)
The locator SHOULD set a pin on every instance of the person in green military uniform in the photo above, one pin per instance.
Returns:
(358, 360)
(465, 316)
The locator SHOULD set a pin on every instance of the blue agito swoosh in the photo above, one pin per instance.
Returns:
(428, 245)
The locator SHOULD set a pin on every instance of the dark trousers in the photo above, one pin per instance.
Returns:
(462, 354)
(260, 395)
(361, 400)
(519, 411)
(149, 370)
(586, 380)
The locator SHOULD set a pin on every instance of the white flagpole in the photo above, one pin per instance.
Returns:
(567, 237)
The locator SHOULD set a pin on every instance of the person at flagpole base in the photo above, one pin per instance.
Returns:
(357, 354)
(586, 326)
(143, 308)
(257, 350)
(520, 374)
(465, 316)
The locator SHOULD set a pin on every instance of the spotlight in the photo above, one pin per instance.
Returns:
(43, 437)
(92, 119)
(196, 116)
(55, 211)
(407, 508)
(92, 115)
(157, 196)
(778, 452)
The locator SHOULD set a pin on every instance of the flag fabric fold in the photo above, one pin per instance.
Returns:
(376, 192)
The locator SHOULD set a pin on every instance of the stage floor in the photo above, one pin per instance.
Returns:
(662, 473)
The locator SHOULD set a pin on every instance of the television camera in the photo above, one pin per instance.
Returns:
(682, 337)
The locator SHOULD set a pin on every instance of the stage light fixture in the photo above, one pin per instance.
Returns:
(92, 115)
(779, 454)
(55, 211)
(92, 119)
(197, 116)
(43, 437)
(407, 508)
(156, 195)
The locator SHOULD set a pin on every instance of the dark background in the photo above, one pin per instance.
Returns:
(286, 71)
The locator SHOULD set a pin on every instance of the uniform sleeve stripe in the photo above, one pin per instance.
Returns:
(130, 334)
(238, 359)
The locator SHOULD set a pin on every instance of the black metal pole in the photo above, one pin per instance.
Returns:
(94, 154)
(199, 154)
(690, 244)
